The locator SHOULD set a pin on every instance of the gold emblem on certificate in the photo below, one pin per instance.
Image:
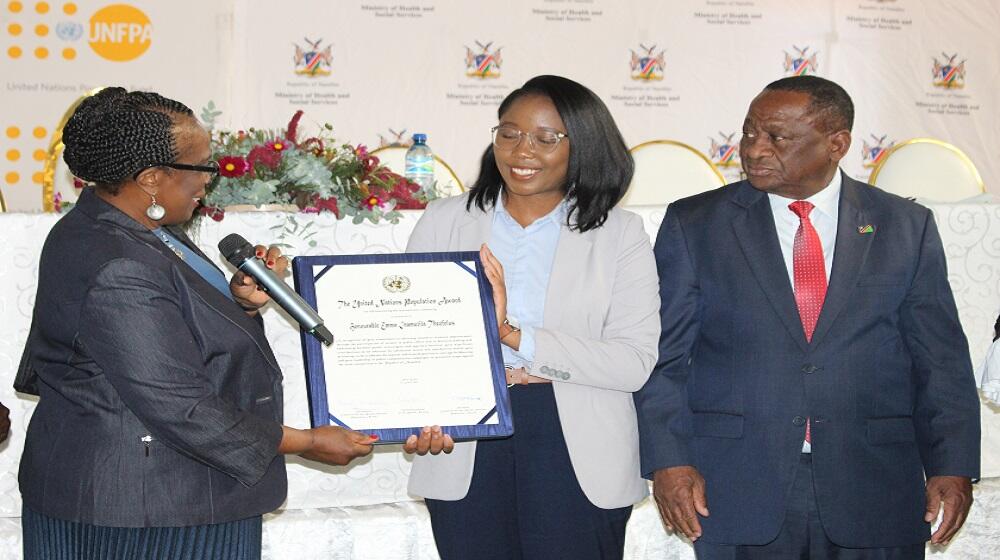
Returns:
(396, 283)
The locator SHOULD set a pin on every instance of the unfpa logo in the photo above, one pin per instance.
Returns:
(120, 32)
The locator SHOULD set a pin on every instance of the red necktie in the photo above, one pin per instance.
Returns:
(809, 272)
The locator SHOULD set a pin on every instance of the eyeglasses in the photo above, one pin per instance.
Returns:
(507, 138)
(211, 167)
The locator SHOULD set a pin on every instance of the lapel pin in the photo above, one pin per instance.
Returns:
(866, 229)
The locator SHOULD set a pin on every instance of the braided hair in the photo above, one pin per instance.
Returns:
(115, 134)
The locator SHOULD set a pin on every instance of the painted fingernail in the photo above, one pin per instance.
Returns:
(270, 263)
(260, 252)
(373, 436)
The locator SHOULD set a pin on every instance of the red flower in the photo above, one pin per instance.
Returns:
(233, 166)
(321, 204)
(373, 201)
(215, 213)
(264, 155)
(293, 127)
(78, 184)
(278, 145)
(318, 150)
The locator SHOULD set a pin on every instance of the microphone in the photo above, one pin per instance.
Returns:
(241, 254)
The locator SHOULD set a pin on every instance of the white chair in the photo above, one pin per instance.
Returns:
(667, 170)
(56, 178)
(928, 169)
(394, 157)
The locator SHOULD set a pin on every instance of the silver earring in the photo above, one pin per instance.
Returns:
(154, 211)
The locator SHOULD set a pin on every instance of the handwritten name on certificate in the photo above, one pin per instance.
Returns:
(410, 345)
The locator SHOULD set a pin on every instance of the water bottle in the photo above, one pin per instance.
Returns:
(420, 163)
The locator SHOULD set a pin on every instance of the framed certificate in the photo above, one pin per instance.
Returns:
(415, 344)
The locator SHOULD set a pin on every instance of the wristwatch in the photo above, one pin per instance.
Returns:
(510, 328)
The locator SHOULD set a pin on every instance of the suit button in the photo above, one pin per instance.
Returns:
(799, 421)
(810, 368)
(565, 375)
(545, 369)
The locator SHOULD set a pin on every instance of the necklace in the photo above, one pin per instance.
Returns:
(170, 244)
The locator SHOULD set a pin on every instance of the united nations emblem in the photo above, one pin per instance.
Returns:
(949, 75)
(396, 283)
(872, 154)
(724, 153)
(69, 31)
(483, 63)
(312, 61)
(647, 66)
(802, 64)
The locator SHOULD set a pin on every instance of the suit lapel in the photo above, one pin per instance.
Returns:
(98, 209)
(758, 239)
(849, 255)
(473, 230)
(210, 295)
(572, 248)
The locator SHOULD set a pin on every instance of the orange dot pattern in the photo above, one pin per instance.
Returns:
(12, 155)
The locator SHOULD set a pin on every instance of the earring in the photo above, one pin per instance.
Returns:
(154, 211)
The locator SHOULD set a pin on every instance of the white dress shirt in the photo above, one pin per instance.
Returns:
(823, 217)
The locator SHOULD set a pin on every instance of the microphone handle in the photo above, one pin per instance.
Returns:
(282, 294)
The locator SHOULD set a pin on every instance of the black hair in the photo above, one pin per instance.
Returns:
(600, 165)
(829, 100)
(115, 134)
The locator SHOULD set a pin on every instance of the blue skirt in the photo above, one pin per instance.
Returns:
(46, 538)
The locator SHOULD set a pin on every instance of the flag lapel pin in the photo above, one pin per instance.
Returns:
(866, 229)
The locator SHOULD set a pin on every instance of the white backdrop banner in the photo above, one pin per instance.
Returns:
(380, 70)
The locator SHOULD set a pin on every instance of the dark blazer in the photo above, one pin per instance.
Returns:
(161, 401)
(886, 379)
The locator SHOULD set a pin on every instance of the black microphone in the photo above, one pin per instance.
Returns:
(241, 254)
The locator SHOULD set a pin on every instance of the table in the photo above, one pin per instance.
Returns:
(364, 511)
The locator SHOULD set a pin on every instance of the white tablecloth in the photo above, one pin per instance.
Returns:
(364, 511)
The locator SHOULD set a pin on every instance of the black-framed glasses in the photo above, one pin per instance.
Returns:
(211, 167)
(507, 137)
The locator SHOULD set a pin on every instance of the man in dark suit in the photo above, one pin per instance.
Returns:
(813, 396)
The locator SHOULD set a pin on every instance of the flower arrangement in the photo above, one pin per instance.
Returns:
(316, 174)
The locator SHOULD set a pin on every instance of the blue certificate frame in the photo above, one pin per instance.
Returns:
(307, 270)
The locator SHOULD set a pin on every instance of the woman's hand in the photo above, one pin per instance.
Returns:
(332, 445)
(494, 272)
(244, 288)
(431, 439)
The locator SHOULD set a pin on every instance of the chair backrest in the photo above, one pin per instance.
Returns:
(394, 157)
(3, 203)
(667, 170)
(56, 177)
(928, 169)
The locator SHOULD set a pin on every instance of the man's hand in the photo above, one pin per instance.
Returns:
(680, 496)
(954, 494)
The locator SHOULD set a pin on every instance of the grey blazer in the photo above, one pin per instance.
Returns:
(598, 343)
(160, 398)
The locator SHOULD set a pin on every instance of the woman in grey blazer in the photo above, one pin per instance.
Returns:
(158, 430)
(577, 306)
